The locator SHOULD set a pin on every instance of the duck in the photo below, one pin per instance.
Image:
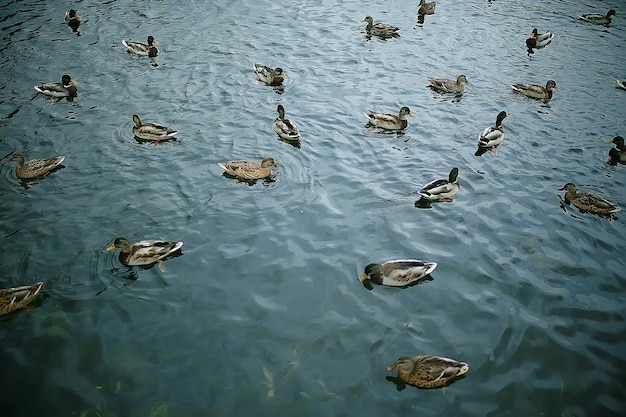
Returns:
(389, 121)
(66, 88)
(492, 136)
(397, 272)
(426, 8)
(380, 29)
(249, 170)
(268, 75)
(152, 131)
(285, 128)
(538, 40)
(618, 153)
(621, 84)
(12, 299)
(598, 18)
(140, 48)
(535, 90)
(35, 168)
(144, 252)
(72, 19)
(427, 371)
(442, 189)
(588, 202)
(444, 85)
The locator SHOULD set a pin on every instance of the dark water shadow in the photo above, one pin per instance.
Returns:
(401, 384)
(266, 181)
(369, 285)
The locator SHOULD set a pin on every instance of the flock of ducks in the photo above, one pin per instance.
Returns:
(421, 371)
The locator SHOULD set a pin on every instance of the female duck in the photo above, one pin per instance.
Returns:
(444, 85)
(12, 299)
(151, 131)
(268, 75)
(35, 168)
(598, 18)
(285, 128)
(425, 371)
(380, 29)
(66, 88)
(144, 252)
(389, 121)
(492, 136)
(535, 90)
(618, 153)
(588, 202)
(426, 8)
(397, 273)
(249, 170)
(442, 190)
(140, 48)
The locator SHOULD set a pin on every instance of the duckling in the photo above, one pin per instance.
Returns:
(144, 252)
(535, 90)
(380, 29)
(618, 153)
(397, 272)
(538, 40)
(285, 128)
(443, 189)
(492, 136)
(389, 121)
(36, 168)
(268, 75)
(426, 8)
(588, 202)
(140, 48)
(249, 170)
(598, 18)
(444, 85)
(152, 131)
(426, 371)
(66, 88)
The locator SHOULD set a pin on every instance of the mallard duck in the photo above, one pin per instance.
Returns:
(492, 136)
(144, 252)
(285, 128)
(140, 48)
(389, 121)
(598, 18)
(36, 167)
(380, 29)
(443, 189)
(588, 202)
(268, 75)
(618, 153)
(71, 15)
(538, 40)
(535, 90)
(398, 272)
(425, 371)
(151, 131)
(66, 88)
(621, 84)
(249, 170)
(12, 299)
(444, 85)
(426, 8)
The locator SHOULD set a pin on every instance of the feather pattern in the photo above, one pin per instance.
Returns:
(427, 371)
(12, 299)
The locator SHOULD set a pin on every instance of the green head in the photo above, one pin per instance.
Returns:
(618, 141)
(454, 173)
(501, 116)
(372, 271)
(120, 242)
(281, 111)
(66, 80)
(152, 41)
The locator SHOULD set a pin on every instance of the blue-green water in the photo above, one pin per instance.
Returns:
(263, 313)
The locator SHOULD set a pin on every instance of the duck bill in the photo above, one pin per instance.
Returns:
(363, 277)
(284, 76)
(73, 82)
(561, 189)
(557, 88)
(110, 248)
(155, 42)
(412, 114)
(609, 141)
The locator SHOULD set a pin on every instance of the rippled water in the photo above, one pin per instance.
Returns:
(263, 313)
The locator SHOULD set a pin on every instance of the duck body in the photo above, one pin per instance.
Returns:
(597, 18)
(618, 153)
(397, 272)
(71, 15)
(535, 90)
(285, 128)
(12, 299)
(144, 252)
(380, 29)
(492, 136)
(139, 48)
(66, 88)
(268, 75)
(426, 371)
(152, 131)
(426, 8)
(35, 168)
(442, 189)
(538, 40)
(389, 121)
(249, 170)
(444, 85)
(588, 202)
